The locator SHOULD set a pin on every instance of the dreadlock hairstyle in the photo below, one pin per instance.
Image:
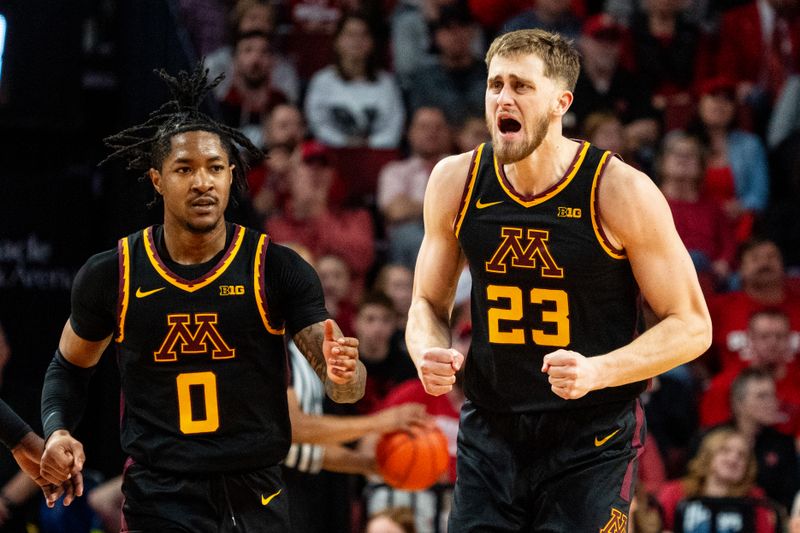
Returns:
(146, 145)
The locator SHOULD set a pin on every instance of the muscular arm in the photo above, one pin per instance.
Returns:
(636, 217)
(331, 429)
(310, 341)
(439, 264)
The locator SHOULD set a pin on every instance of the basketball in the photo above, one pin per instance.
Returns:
(412, 460)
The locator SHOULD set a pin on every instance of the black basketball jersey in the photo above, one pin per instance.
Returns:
(544, 277)
(203, 360)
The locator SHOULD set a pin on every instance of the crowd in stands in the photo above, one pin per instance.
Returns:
(355, 101)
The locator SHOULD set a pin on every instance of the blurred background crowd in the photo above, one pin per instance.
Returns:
(354, 102)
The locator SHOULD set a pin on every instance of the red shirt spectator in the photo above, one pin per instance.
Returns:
(769, 348)
(763, 286)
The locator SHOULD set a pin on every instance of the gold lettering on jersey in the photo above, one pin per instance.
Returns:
(231, 290)
(569, 212)
(532, 252)
(618, 523)
(193, 334)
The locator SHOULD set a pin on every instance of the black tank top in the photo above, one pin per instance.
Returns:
(544, 277)
(202, 366)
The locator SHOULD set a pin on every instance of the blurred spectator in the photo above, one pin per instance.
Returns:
(455, 81)
(392, 520)
(664, 49)
(106, 501)
(780, 221)
(701, 224)
(551, 15)
(605, 85)
(432, 506)
(759, 47)
(16, 488)
(5, 352)
(386, 365)
(492, 14)
(245, 17)
(769, 348)
(645, 513)
(412, 40)
(353, 102)
(401, 184)
(309, 218)
(471, 134)
(395, 281)
(763, 284)
(268, 183)
(724, 467)
(319, 443)
(251, 94)
(754, 405)
(204, 20)
(737, 176)
(334, 275)
(604, 130)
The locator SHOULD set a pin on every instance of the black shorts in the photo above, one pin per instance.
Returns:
(156, 502)
(557, 471)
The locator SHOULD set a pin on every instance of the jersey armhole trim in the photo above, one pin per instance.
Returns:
(258, 284)
(469, 187)
(124, 261)
(597, 225)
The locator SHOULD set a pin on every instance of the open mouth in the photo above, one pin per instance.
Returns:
(508, 125)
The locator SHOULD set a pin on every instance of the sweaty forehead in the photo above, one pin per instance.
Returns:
(196, 145)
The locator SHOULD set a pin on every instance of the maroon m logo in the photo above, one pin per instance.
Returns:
(530, 252)
(193, 334)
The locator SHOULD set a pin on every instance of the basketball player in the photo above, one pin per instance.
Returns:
(197, 308)
(560, 238)
(27, 447)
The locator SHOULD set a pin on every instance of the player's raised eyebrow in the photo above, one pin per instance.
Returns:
(514, 77)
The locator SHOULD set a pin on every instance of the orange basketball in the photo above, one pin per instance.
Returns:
(412, 460)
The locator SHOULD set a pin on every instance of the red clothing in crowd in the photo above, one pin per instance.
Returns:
(347, 233)
(439, 407)
(702, 226)
(715, 406)
(730, 313)
(673, 492)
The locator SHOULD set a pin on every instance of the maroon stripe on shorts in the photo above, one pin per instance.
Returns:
(626, 492)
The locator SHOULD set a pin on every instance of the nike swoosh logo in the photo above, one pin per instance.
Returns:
(600, 442)
(142, 294)
(265, 501)
(480, 205)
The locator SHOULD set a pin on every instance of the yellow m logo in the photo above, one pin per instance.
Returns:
(618, 523)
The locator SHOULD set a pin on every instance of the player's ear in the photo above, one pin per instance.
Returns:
(563, 102)
(155, 179)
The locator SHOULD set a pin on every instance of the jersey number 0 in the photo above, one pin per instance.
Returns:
(207, 381)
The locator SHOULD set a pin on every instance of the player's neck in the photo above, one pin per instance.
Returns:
(545, 167)
(186, 247)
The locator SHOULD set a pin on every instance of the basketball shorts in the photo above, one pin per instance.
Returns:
(571, 470)
(159, 502)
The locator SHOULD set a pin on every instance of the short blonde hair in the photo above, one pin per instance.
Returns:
(561, 59)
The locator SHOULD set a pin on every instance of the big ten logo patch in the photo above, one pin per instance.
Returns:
(618, 523)
(231, 290)
(569, 212)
